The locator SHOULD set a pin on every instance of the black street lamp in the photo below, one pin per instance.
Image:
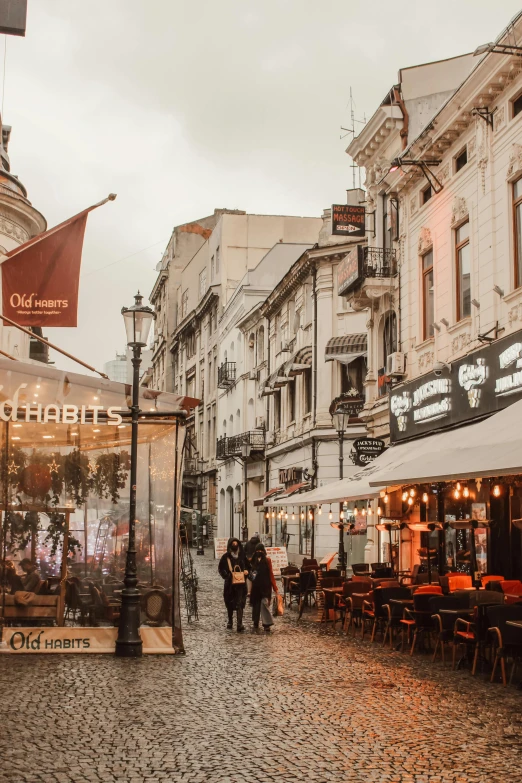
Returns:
(138, 320)
(340, 421)
(200, 467)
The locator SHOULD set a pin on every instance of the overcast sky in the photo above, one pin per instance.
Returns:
(180, 107)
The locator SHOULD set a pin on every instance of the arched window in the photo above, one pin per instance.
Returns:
(260, 344)
(251, 351)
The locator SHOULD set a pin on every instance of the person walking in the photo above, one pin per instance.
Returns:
(250, 546)
(263, 582)
(233, 567)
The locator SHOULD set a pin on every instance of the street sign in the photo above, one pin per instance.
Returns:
(365, 450)
(348, 220)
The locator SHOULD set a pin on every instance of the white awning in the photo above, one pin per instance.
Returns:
(492, 447)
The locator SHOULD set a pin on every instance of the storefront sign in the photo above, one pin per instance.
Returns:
(220, 547)
(289, 476)
(38, 413)
(348, 220)
(365, 450)
(279, 557)
(352, 404)
(483, 382)
(349, 271)
(80, 640)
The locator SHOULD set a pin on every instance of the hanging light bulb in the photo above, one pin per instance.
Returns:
(425, 497)
(310, 515)
(286, 516)
(496, 490)
(379, 511)
(273, 514)
(465, 492)
(302, 515)
(404, 497)
(456, 493)
(330, 513)
(458, 485)
(363, 511)
(412, 493)
(355, 511)
(320, 510)
(386, 499)
(410, 501)
(267, 515)
(370, 511)
(293, 513)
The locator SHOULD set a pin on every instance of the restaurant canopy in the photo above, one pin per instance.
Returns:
(492, 447)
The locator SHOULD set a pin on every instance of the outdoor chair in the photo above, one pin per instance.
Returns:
(361, 569)
(445, 623)
(288, 571)
(485, 580)
(76, 604)
(303, 589)
(507, 640)
(473, 632)
(431, 589)
(512, 590)
(458, 582)
(358, 594)
(417, 620)
(310, 561)
(155, 605)
(393, 613)
(345, 603)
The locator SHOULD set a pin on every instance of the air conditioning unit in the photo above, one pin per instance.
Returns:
(260, 422)
(285, 347)
(270, 438)
(253, 375)
(396, 364)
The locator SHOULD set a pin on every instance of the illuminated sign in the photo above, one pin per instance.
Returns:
(483, 382)
(348, 220)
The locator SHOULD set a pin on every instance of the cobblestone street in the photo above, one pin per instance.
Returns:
(302, 704)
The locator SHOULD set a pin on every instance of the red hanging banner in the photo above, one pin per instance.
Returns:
(40, 279)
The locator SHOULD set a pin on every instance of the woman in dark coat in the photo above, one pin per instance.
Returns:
(234, 594)
(263, 581)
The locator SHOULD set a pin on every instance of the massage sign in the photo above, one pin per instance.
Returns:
(480, 383)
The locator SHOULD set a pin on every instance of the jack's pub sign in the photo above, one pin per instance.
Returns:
(480, 383)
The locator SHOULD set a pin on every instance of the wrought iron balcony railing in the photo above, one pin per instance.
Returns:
(226, 375)
(241, 445)
(379, 262)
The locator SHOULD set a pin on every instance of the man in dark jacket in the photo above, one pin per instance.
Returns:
(251, 544)
(234, 593)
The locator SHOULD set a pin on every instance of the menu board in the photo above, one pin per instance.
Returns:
(220, 547)
(279, 557)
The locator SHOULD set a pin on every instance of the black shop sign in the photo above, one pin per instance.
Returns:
(348, 220)
(365, 450)
(349, 271)
(483, 382)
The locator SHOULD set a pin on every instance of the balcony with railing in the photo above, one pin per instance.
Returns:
(379, 262)
(370, 270)
(247, 444)
(226, 375)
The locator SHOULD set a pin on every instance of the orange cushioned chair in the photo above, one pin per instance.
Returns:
(433, 589)
(511, 587)
(459, 582)
(485, 579)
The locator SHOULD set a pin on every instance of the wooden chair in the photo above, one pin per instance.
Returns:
(506, 639)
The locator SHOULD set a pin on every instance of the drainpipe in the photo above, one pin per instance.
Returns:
(314, 370)
(267, 429)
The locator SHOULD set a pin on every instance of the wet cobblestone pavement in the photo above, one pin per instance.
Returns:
(301, 704)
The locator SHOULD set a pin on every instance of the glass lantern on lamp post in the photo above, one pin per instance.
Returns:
(138, 321)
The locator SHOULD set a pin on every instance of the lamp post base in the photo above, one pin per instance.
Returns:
(129, 643)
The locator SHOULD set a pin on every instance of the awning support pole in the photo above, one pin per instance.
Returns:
(51, 345)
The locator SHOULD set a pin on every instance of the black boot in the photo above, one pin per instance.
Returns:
(240, 626)
(230, 618)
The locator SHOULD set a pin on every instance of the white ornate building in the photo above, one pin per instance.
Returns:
(19, 222)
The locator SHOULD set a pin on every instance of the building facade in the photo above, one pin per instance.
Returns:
(19, 222)
(443, 292)
(192, 292)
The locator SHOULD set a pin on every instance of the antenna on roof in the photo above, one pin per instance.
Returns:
(351, 131)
